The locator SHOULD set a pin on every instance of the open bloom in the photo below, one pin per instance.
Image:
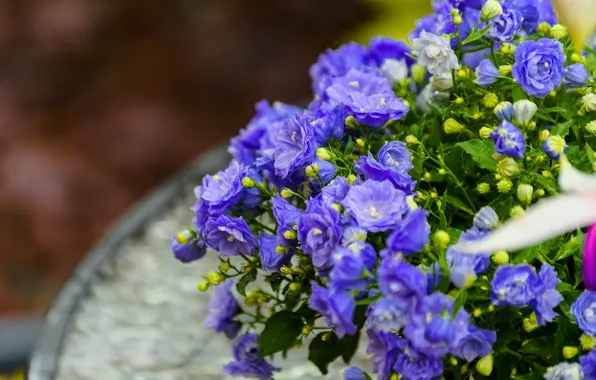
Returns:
(246, 360)
(336, 307)
(229, 236)
(539, 66)
(296, 146)
(223, 309)
(509, 140)
(506, 25)
(434, 52)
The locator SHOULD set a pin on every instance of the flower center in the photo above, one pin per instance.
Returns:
(317, 231)
(373, 212)
(230, 238)
(355, 84)
(382, 102)
(294, 136)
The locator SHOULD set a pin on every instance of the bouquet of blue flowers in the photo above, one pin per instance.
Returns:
(350, 210)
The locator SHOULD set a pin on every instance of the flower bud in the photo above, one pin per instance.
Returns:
(506, 48)
(504, 111)
(248, 182)
(591, 127)
(505, 70)
(525, 193)
(442, 171)
(337, 207)
(441, 238)
(588, 342)
(485, 132)
(215, 278)
(290, 234)
(427, 176)
(452, 126)
(516, 211)
(485, 365)
(554, 147)
(490, 100)
(418, 73)
(203, 285)
(306, 329)
(360, 142)
(477, 313)
(539, 192)
(323, 154)
(312, 170)
(544, 28)
(490, 10)
(486, 218)
(463, 277)
(483, 188)
(504, 186)
(351, 179)
(286, 193)
(532, 126)
(185, 236)
(530, 324)
(462, 73)
(507, 167)
(280, 249)
(546, 174)
(570, 352)
(443, 82)
(395, 69)
(224, 266)
(544, 135)
(411, 140)
(285, 270)
(295, 287)
(500, 258)
(491, 308)
(524, 111)
(589, 102)
(251, 301)
(558, 31)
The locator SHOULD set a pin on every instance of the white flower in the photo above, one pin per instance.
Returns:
(524, 111)
(434, 52)
(548, 218)
(395, 70)
(443, 82)
(565, 371)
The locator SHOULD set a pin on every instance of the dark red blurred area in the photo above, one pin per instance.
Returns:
(102, 100)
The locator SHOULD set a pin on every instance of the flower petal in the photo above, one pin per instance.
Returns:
(572, 180)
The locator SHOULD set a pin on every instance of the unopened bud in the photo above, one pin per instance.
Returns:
(525, 193)
(286, 193)
(507, 167)
(490, 100)
(351, 122)
(524, 111)
(570, 352)
(500, 258)
(485, 132)
(459, 100)
(483, 188)
(505, 70)
(280, 249)
(360, 142)
(203, 285)
(490, 10)
(504, 186)
(544, 28)
(591, 127)
(517, 211)
(453, 126)
(427, 176)
(224, 266)
(588, 342)
(485, 365)
(215, 278)
(441, 238)
(285, 270)
(462, 73)
(312, 170)
(306, 329)
(589, 102)
(539, 192)
(295, 287)
(290, 234)
(418, 73)
(558, 31)
(351, 179)
(248, 182)
(477, 313)
(323, 154)
(411, 139)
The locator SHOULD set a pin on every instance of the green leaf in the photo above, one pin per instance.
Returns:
(458, 204)
(561, 129)
(281, 331)
(476, 35)
(541, 347)
(460, 301)
(349, 345)
(481, 152)
(323, 352)
(567, 333)
(518, 93)
(368, 301)
(245, 280)
(590, 154)
(548, 184)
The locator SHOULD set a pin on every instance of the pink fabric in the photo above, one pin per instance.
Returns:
(589, 265)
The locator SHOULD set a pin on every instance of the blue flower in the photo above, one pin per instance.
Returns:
(383, 348)
(539, 66)
(486, 218)
(415, 364)
(509, 141)
(365, 251)
(319, 232)
(271, 261)
(588, 363)
(504, 111)
(383, 48)
(584, 311)
(296, 146)
(189, 251)
(286, 215)
(224, 189)
(401, 281)
(223, 308)
(353, 373)
(514, 285)
(336, 191)
(368, 97)
(504, 27)
(353, 234)
(554, 146)
(327, 172)
(486, 73)
(433, 330)
(336, 63)
(411, 234)
(476, 343)
(336, 307)
(396, 155)
(200, 210)
(375, 171)
(478, 262)
(547, 296)
(269, 119)
(576, 76)
(387, 315)
(434, 274)
(566, 371)
(462, 277)
(534, 12)
(375, 206)
(348, 270)
(229, 236)
(246, 360)
(327, 121)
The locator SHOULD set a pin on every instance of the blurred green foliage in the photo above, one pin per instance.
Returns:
(395, 18)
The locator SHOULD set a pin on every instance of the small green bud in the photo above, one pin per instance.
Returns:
(588, 342)
(570, 352)
(591, 127)
(295, 287)
(532, 126)
(360, 142)
(286, 193)
(203, 285)
(504, 186)
(517, 211)
(452, 126)
(507, 167)
(351, 122)
(578, 58)
(530, 324)
(337, 207)
(589, 102)
(485, 365)
(323, 154)
(185, 236)
(306, 329)
(285, 270)
(312, 170)
(544, 28)
(525, 193)
(215, 278)
(539, 193)
(500, 258)
(490, 10)
(546, 174)
(248, 182)
(351, 179)
(505, 49)
(427, 176)
(544, 135)
(477, 313)
(483, 188)
(325, 337)
(457, 19)
(485, 132)
(411, 140)
(441, 238)
(442, 171)
(490, 100)
(558, 31)
(459, 100)
(298, 270)
(280, 249)
(462, 73)
(290, 234)
(418, 73)
(224, 266)
(505, 70)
